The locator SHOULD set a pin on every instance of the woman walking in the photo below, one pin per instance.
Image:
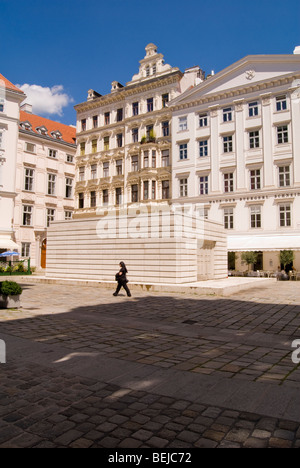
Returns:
(122, 280)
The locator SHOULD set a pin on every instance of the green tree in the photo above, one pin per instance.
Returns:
(286, 257)
(249, 258)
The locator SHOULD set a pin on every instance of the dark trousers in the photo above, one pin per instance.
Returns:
(124, 284)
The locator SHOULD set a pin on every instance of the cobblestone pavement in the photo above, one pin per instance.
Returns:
(86, 369)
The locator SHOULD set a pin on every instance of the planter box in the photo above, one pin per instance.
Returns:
(9, 302)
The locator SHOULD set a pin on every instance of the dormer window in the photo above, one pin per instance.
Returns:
(42, 130)
(26, 126)
(57, 135)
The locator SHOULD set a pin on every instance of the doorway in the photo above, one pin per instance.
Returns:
(43, 253)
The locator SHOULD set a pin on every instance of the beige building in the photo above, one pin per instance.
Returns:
(235, 155)
(45, 181)
(124, 138)
(10, 100)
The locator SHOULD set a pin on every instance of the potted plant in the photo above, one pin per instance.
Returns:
(10, 295)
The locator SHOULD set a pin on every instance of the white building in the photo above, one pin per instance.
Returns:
(10, 99)
(45, 181)
(236, 152)
(124, 138)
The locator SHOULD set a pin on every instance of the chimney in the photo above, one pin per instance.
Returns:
(297, 50)
(27, 108)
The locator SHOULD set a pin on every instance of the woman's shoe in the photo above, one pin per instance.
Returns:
(115, 294)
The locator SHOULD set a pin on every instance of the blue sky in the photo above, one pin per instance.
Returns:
(62, 48)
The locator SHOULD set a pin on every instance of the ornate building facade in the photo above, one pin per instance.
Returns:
(124, 138)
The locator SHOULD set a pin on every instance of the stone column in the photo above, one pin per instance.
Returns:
(267, 140)
(241, 182)
(295, 114)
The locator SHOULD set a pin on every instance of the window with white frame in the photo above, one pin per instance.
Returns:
(281, 103)
(228, 144)
(106, 169)
(25, 249)
(284, 176)
(285, 215)
(182, 124)
(253, 109)
(146, 190)
(203, 148)
(228, 182)
(165, 189)
(135, 135)
(203, 120)
(93, 199)
(183, 187)
(70, 158)
(146, 159)
(94, 171)
(134, 163)
(30, 148)
(228, 218)
(119, 167)
(29, 178)
(51, 184)
(27, 215)
(203, 185)
(255, 217)
(81, 173)
(227, 114)
(68, 215)
(105, 196)
(254, 139)
(282, 134)
(255, 179)
(183, 151)
(50, 216)
(165, 158)
(1, 105)
(153, 159)
(52, 153)
(134, 193)
(69, 187)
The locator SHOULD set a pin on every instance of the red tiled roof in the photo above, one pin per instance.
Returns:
(9, 85)
(68, 133)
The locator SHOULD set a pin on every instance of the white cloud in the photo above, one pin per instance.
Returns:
(46, 100)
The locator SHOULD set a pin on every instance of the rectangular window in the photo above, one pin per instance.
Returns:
(135, 135)
(228, 182)
(285, 215)
(253, 109)
(149, 132)
(118, 196)
(281, 103)
(68, 215)
(228, 218)
(83, 125)
(1, 105)
(203, 148)
(153, 190)
(1, 140)
(106, 143)
(150, 105)
(153, 159)
(52, 153)
(182, 124)
(227, 114)
(106, 169)
(69, 187)
(254, 139)
(51, 184)
(134, 163)
(81, 173)
(282, 134)
(119, 115)
(146, 190)
(70, 158)
(165, 99)
(134, 193)
(93, 199)
(81, 200)
(82, 149)
(183, 151)
(255, 217)
(203, 120)
(94, 146)
(105, 197)
(25, 250)
(95, 121)
(165, 189)
(119, 140)
(203, 185)
(94, 171)
(119, 167)
(183, 187)
(135, 108)
(284, 176)
(30, 148)
(107, 118)
(227, 144)
(165, 129)
(29, 176)
(255, 179)
(50, 216)
(146, 159)
(165, 158)
(27, 215)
